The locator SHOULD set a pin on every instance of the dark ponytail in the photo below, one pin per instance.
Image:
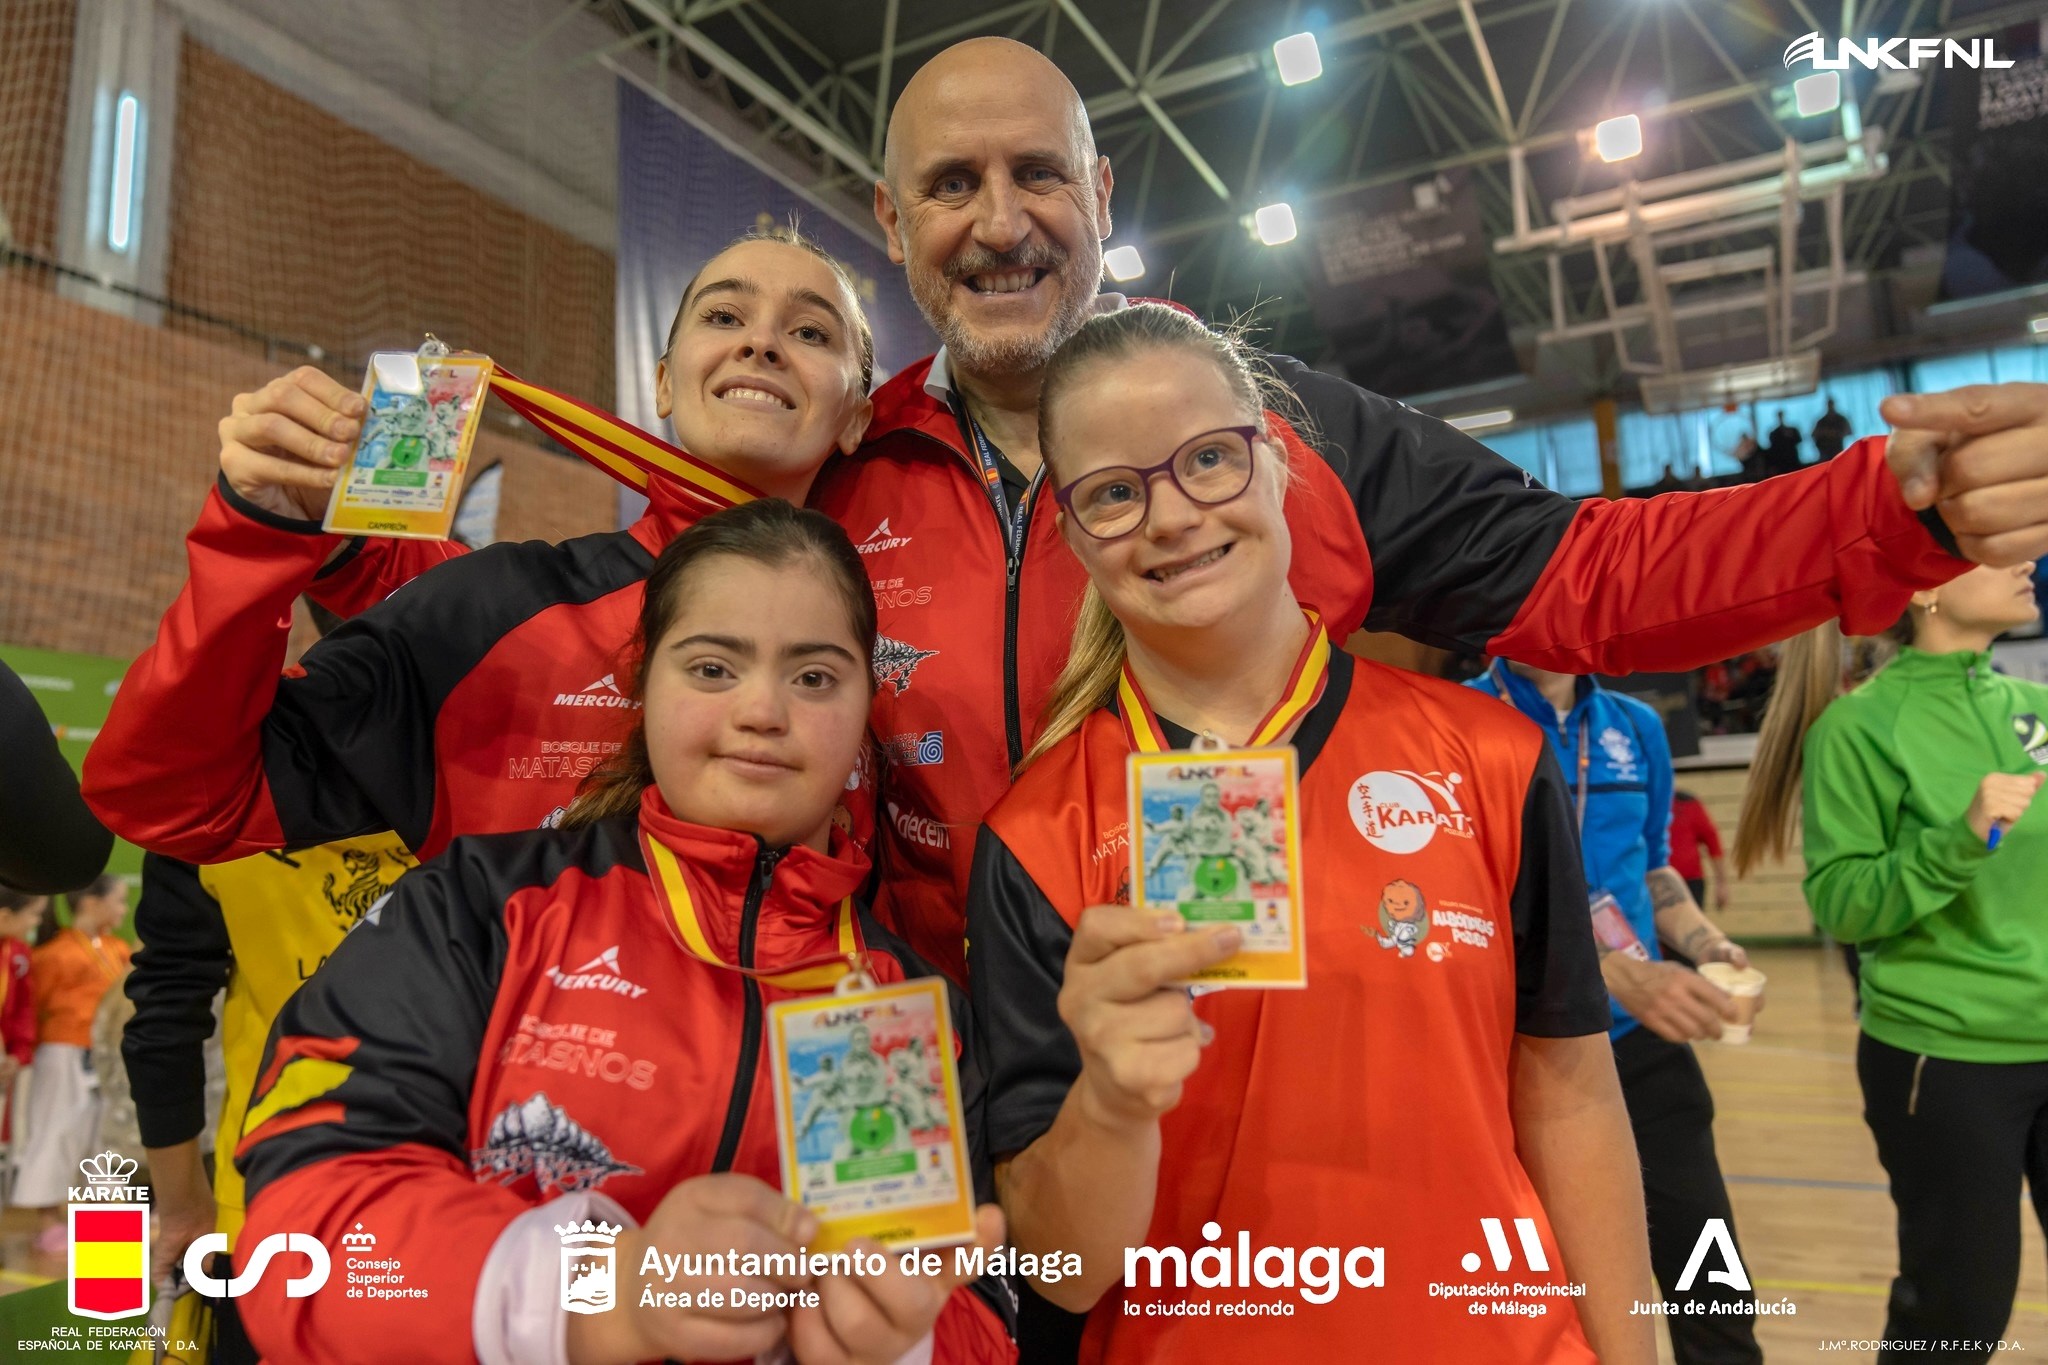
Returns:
(769, 532)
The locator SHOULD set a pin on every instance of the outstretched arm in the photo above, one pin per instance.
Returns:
(1470, 553)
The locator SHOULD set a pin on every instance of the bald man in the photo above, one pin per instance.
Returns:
(996, 203)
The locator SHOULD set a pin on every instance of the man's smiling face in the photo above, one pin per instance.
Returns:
(996, 203)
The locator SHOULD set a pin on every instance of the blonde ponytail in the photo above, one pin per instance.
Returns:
(1809, 677)
(1088, 680)
(1811, 669)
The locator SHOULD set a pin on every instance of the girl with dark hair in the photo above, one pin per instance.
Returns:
(1447, 1060)
(562, 1029)
(1926, 848)
(71, 968)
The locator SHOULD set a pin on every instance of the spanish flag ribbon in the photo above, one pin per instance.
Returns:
(816, 974)
(616, 446)
(1304, 686)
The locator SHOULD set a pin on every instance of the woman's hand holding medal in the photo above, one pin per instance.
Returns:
(1137, 1033)
(281, 446)
(707, 1215)
(877, 1319)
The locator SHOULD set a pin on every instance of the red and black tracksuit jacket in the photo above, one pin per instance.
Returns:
(521, 1020)
(1405, 524)
(473, 700)
(1444, 907)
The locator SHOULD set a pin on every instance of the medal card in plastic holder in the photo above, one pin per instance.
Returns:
(868, 1115)
(404, 477)
(1216, 839)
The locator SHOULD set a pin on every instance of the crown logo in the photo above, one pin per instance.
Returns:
(108, 1168)
(358, 1240)
(589, 1233)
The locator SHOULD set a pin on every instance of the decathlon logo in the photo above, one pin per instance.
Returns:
(275, 1245)
(1872, 53)
(1715, 1235)
(1503, 1255)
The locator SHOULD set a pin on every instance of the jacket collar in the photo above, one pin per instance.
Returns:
(1915, 663)
(672, 508)
(1528, 698)
(798, 912)
(904, 404)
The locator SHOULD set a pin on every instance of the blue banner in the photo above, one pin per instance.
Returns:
(682, 197)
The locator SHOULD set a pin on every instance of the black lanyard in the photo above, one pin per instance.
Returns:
(992, 479)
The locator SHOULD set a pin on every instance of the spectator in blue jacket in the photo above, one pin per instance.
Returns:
(1617, 763)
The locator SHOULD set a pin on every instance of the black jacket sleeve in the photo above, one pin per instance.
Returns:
(182, 965)
(49, 841)
(1559, 992)
(368, 704)
(1458, 535)
(1016, 962)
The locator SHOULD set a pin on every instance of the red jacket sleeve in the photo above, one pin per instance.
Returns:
(1677, 581)
(179, 767)
(434, 1226)
(371, 568)
(1709, 833)
(1470, 553)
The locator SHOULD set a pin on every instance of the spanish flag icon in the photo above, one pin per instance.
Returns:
(109, 1260)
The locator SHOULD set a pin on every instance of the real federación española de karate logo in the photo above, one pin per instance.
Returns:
(107, 1261)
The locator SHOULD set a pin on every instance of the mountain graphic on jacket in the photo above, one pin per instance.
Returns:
(539, 1139)
(894, 662)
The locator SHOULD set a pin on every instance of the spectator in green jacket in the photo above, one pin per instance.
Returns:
(1925, 847)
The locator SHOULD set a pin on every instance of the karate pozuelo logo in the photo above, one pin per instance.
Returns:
(107, 1259)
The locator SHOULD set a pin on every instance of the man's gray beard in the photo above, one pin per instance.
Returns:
(1009, 355)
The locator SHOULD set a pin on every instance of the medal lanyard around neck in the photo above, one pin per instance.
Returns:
(1304, 685)
(1500, 683)
(812, 974)
(992, 479)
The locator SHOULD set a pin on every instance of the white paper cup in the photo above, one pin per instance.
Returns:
(1746, 984)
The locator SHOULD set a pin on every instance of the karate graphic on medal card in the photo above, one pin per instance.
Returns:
(404, 477)
(1215, 838)
(868, 1115)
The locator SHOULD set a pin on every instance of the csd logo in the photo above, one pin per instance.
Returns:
(278, 1243)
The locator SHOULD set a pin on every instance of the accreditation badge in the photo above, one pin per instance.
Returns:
(868, 1115)
(1216, 839)
(1611, 927)
(404, 477)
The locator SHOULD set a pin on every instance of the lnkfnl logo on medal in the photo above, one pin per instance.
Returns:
(589, 1273)
(107, 1261)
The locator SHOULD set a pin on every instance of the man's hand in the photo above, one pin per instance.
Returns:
(1673, 1002)
(876, 1319)
(281, 446)
(1980, 454)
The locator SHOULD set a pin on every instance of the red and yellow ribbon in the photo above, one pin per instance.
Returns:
(614, 445)
(816, 974)
(1304, 686)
